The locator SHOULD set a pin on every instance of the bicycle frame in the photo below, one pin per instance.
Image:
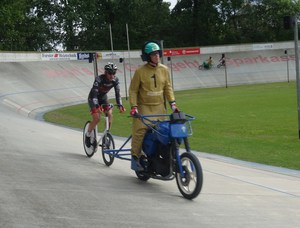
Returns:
(121, 153)
(106, 130)
(117, 153)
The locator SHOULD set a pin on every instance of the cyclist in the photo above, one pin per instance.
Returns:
(208, 63)
(148, 89)
(222, 61)
(98, 99)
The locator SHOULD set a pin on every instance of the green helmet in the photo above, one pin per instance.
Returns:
(148, 48)
(151, 47)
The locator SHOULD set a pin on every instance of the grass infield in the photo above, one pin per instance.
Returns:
(257, 123)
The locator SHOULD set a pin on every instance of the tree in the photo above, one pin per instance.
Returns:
(12, 18)
(197, 22)
(42, 25)
(146, 20)
(254, 21)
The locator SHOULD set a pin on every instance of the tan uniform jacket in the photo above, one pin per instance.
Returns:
(149, 85)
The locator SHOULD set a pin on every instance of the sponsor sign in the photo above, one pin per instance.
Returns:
(262, 46)
(58, 56)
(83, 55)
(99, 55)
(182, 51)
(111, 55)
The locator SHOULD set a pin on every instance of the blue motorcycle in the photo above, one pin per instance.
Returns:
(166, 153)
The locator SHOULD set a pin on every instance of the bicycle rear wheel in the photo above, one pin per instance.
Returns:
(89, 151)
(108, 143)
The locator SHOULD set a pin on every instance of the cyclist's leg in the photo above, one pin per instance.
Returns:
(139, 129)
(138, 132)
(104, 101)
(95, 116)
(95, 119)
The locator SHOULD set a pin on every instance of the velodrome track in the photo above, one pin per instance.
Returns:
(47, 181)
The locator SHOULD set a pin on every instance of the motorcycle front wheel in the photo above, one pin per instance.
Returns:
(190, 183)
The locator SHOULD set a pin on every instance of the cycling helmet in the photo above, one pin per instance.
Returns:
(111, 68)
(148, 48)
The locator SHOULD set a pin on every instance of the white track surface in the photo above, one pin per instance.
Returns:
(47, 181)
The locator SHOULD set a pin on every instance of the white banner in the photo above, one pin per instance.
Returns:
(262, 46)
(111, 55)
(58, 56)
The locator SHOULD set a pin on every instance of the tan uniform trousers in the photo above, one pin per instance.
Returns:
(139, 129)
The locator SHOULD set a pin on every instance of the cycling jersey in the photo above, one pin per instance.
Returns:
(101, 86)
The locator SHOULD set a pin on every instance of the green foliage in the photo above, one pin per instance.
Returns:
(251, 122)
(40, 25)
(11, 20)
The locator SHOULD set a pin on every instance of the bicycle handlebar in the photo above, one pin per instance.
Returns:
(109, 106)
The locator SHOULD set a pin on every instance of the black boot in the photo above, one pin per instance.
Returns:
(87, 141)
(138, 164)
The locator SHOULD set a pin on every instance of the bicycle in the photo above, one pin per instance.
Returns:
(105, 140)
(201, 67)
(212, 66)
(221, 63)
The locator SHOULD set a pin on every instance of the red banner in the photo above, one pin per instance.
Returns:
(182, 51)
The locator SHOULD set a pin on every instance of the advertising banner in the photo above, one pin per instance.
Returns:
(182, 51)
(111, 55)
(256, 47)
(58, 56)
(83, 55)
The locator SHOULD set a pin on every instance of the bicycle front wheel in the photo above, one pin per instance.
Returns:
(190, 183)
(89, 151)
(108, 143)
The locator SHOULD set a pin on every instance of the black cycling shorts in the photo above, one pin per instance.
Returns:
(100, 102)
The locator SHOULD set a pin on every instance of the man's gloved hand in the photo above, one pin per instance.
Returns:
(134, 111)
(122, 109)
(174, 107)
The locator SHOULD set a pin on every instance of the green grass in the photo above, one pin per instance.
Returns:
(256, 123)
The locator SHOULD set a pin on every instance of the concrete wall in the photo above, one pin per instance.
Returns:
(30, 86)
